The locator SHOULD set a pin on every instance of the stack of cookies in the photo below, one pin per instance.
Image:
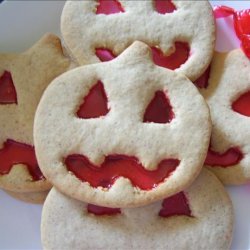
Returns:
(126, 138)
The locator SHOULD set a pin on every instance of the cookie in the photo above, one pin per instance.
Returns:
(181, 33)
(23, 79)
(199, 218)
(122, 133)
(30, 197)
(227, 95)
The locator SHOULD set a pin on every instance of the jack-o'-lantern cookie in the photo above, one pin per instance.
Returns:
(122, 133)
(23, 79)
(199, 218)
(181, 34)
(228, 96)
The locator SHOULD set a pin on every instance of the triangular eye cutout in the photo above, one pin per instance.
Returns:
(242, 104)
(175, 205)
(164, 6)
(7, 89)
(95, 104)
(159, 109)
(108, 7)
(230, 157)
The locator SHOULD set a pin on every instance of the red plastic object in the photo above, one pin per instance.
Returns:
(99, 211)
(108, 7)
(241, 24)
(7, 89)
(19, 153)
(175, 205)
(159, 109)
(227, 159)
(115, 166)
(95, 104)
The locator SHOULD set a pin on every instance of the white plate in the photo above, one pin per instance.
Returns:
(21, 24)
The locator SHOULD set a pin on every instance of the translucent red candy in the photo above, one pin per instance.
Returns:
(173, 61)
(108, 7)
(164, 6)
(104, 55)
(242, 104)
(97, 210)
(19, 153)
(159, 109)
(202, 81)
(115, 166)
(7, 89)
(241, 24)
(229, 158)
(175, 205)
(95, 104)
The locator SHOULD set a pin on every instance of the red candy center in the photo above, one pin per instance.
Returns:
(159, 110)
(175, 205)
(7, 89)
(95, 104)
(115, 166)
(108, 7)
(164, 6)
(242, 104)
(96, 210)
(202, 81)
(173, 61)
(19, 153)
(229, 158)
(104, 55)
(241, 24)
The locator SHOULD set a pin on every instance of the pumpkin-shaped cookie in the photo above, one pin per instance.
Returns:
(228, 96)
(201, 217)
(181, 34)
(23, 79)
(122, 133)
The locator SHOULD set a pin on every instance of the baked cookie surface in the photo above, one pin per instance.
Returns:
(23, 78)
(91, 27)
(30, 197)
(228, 98)
(143, 137)
(202, 220)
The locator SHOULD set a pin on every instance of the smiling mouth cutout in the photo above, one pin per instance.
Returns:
(229, 158)
(13, 153)
(176, 205)
(172, 61)
(115, 166)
